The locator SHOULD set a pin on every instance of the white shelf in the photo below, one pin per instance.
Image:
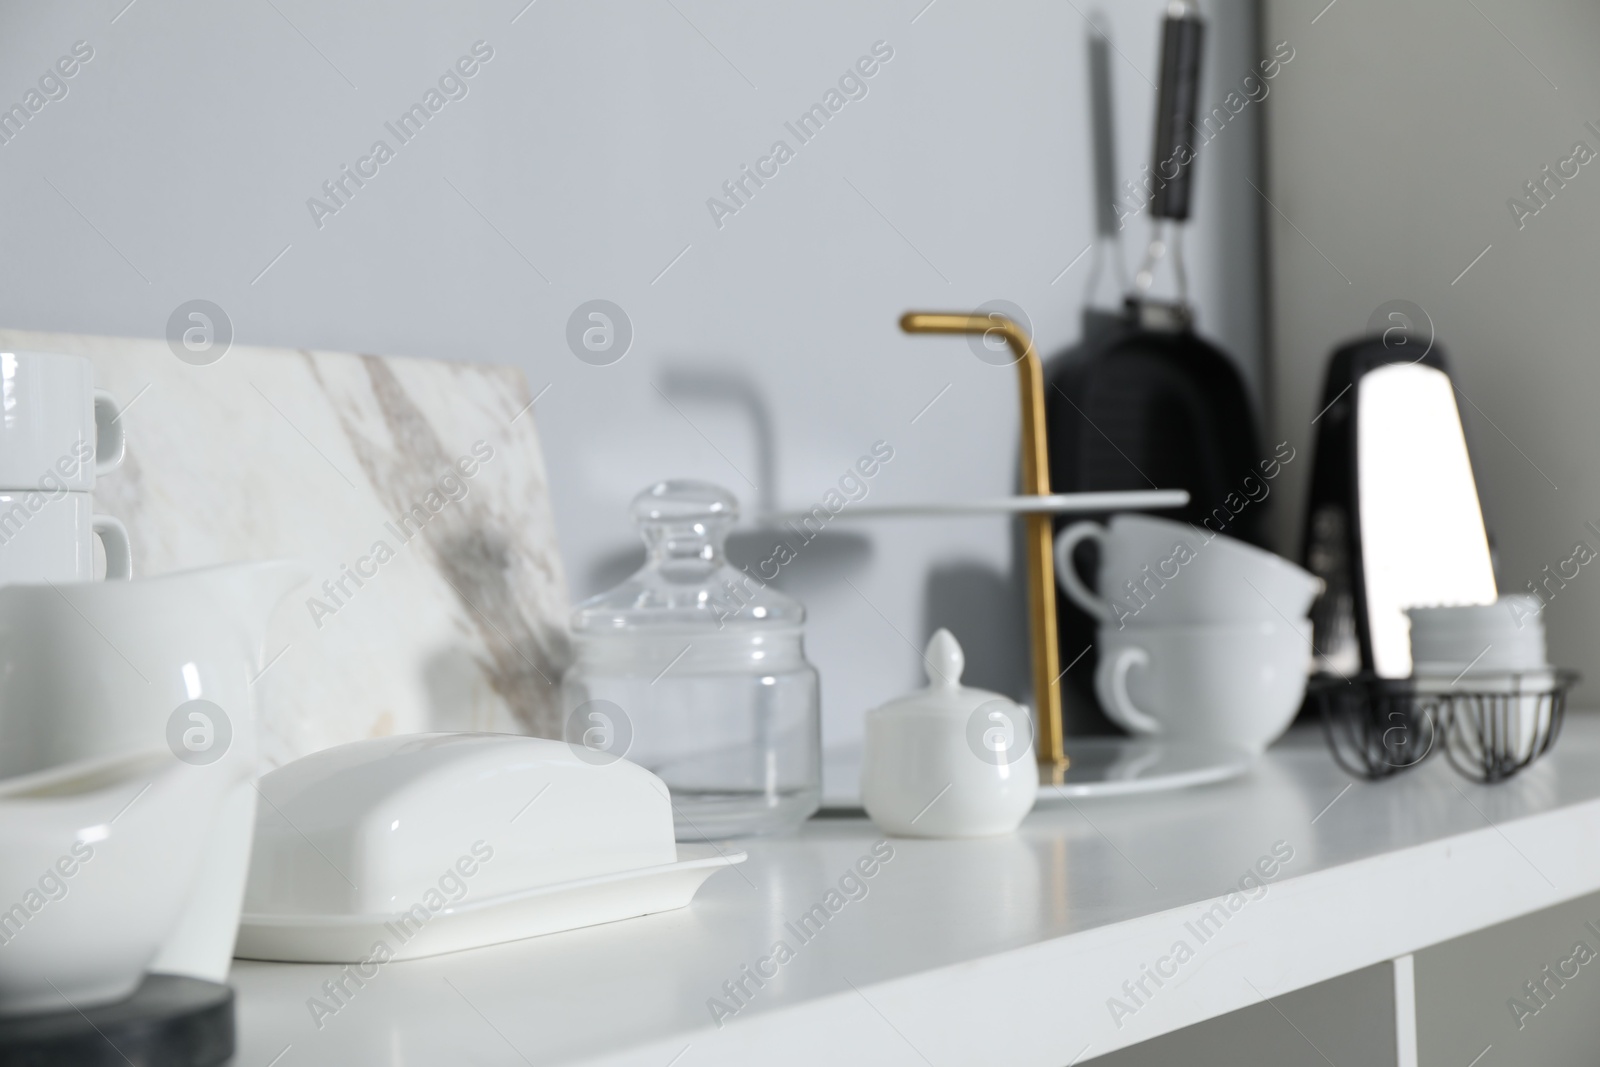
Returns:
(1054, 504)
(1002, 950)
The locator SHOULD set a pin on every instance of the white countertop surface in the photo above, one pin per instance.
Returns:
(1001, 950)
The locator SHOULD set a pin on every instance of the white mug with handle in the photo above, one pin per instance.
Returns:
(59, 432)
(1238, 683)
(49, 537)
(1159, 572)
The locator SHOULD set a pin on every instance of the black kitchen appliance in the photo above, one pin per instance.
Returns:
(1143, 401)
(1388, 434)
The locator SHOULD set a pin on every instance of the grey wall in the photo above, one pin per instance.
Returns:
(1394, 143)
(1464, 992)
(1345, 1020)
(1465, 988)
(578, 167)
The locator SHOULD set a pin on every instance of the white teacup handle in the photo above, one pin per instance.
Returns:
(1126, 660)
(110, 442)
(119, 554)
(1066, 574)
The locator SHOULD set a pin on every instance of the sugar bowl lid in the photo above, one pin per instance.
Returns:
(944, 694)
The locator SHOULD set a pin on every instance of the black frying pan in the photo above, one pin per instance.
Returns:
(1144, 401)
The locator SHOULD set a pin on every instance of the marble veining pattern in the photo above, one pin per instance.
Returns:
(356, 465)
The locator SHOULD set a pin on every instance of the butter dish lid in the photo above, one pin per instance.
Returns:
(944, 694)
(374, 827)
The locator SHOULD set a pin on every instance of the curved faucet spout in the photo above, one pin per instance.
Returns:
(1037, 528)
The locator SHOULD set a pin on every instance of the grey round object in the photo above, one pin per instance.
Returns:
(169, 1020)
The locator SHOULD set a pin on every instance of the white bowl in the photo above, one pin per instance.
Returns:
(98, 860)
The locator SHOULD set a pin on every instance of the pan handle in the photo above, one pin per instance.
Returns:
(1182, 37)
(1103, 125)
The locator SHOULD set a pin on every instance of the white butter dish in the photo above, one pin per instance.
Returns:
(402, 847)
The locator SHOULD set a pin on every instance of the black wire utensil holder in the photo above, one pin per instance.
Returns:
(1376, 727)
(1489, 728)
(1491, 734)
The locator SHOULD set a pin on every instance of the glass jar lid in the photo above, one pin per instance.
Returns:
(686, 582)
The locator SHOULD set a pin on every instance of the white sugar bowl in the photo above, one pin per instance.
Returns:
(948, 761)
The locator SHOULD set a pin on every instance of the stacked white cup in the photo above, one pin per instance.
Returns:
(1483, 649)
(1201, 635)
(58, 433)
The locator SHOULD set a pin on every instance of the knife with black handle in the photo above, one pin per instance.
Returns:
(1177, 97)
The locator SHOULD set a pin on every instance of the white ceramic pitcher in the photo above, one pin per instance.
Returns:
(100, 669)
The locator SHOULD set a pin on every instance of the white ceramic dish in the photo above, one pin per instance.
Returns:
(49, 537)
(1123, 766)
(374, 827)
(1240, 684)
(1157, 572)
(1054, 504)
(450, 841)
(544, 910)
(98, 669)
(98, 862)
(948, 760)
(60, 432)
(1101, 767)
(1506, 636)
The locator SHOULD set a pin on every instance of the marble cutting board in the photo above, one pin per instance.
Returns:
(323, 456)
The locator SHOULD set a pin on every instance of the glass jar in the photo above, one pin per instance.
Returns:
(696, 671)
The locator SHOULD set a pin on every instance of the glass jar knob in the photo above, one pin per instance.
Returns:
(683, 524)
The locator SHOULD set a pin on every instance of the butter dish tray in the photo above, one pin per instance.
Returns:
(473, 924)
(402, 847)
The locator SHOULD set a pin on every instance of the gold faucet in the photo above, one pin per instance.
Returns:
(1037, 531)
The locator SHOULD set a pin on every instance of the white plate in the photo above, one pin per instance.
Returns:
(1054, 504)
(472, 924)
(1101, 767)
(1119, 766)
